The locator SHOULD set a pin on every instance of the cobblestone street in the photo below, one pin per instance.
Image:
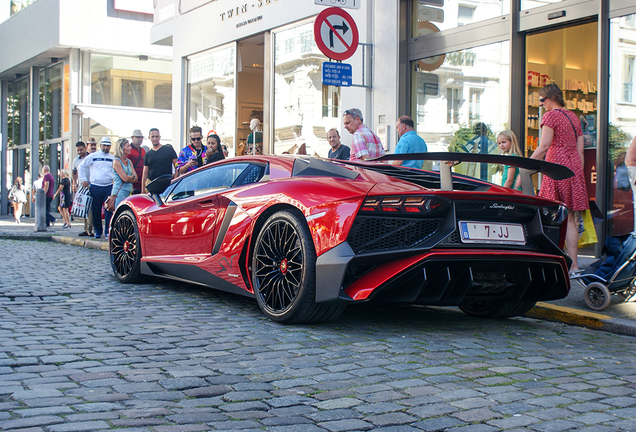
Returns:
(81, 352)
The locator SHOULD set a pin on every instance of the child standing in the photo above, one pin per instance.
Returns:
(507, 142)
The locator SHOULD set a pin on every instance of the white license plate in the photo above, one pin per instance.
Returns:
(494, 232)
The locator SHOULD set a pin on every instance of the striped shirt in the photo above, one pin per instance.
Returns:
(365, 143)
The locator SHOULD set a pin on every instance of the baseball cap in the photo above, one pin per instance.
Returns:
(105, 141)
(137, 133)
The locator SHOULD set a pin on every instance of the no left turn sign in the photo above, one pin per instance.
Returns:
(336, 33)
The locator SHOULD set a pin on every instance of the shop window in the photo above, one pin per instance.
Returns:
(132, 93)
(622, 124)
(628, 79)
(129, 81)
(474, 97)
(331, 101)
(18, 112)
(18, 5)
(212, 93)
(303, 108)
(163, 96)
(465, 15)
(460, 101)
(453, 103)
(432, 15)
(51, 102)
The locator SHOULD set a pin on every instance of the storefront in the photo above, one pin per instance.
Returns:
(453, 66)
(260, 60)
(89, 71)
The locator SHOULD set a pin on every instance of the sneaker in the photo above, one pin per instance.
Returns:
(83, 234)
(98, 236)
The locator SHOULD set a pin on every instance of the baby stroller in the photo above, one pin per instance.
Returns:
(613, 274)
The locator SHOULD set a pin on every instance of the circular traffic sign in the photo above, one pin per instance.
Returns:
(336, 33)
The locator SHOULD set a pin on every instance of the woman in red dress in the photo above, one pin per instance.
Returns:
(562, 143)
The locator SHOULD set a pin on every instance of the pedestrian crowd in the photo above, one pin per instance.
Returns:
(111, 177)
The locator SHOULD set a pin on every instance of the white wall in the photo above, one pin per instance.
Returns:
(29, 33)
(91, 24)
(85, 24)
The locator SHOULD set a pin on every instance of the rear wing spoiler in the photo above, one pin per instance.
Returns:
(527, 167)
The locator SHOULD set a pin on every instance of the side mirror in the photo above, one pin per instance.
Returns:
(160, 184)
(157, 186)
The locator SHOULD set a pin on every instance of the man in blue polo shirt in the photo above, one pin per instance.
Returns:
(410, 142)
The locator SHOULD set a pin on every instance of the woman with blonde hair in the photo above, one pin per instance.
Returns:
(124, 174)
(17, 195)
(64, 191)
(507, 142)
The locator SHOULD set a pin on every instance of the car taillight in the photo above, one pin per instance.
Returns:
(404, 204)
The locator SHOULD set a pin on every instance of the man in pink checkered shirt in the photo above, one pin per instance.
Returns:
(365, 144)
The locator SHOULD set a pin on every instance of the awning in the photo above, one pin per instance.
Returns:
(122, 121)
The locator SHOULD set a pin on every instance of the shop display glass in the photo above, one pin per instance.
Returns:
(460, 102)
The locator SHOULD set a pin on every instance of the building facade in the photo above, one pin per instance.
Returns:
(75, 71)
(452, 65)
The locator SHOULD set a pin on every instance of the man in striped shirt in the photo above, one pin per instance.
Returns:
(365, 144)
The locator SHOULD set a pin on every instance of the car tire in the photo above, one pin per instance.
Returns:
(125, 248)
(284, 272)
(496, 309)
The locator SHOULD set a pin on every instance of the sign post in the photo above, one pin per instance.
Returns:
(336, 33)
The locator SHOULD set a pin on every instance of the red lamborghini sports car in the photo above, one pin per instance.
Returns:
(308, 236)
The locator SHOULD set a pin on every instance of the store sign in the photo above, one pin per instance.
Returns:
(236, 12)
(337, 74)
(349, 4)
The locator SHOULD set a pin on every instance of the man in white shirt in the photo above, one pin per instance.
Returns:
(97, 172)
(82, 152)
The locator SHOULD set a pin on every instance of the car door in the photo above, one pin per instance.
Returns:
(185, 226)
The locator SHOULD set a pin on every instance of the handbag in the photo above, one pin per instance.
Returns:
(588, 236)
(110, 201)
(82, 202)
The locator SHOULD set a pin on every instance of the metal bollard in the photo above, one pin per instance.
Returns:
(40, 210)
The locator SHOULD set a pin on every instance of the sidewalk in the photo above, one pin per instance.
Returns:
(619, 317)
(26, 231)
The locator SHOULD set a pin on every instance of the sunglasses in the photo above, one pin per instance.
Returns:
(196, 139)
(542, 99)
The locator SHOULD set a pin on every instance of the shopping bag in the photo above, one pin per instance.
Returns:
(588, 236)
(82, 202)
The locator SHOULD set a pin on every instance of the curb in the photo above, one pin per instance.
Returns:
(85, 243)
(581, 318)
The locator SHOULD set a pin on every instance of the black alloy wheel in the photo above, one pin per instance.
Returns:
(284, 272)
(124, 247)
